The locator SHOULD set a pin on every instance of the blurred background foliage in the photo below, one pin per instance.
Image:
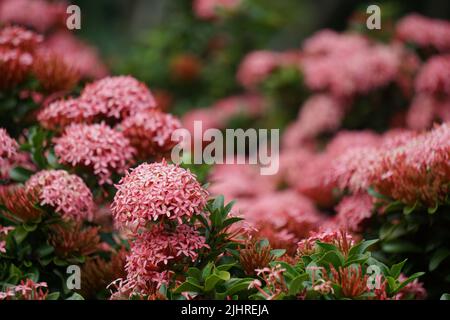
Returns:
(153, 40)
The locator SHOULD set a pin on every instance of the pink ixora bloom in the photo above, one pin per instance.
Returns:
(353, 211)
(150, 132)
(157, 191)
(62, 113)
(256, 66)
(119, 97)
(14, 37)
(417, 170)
(363, 66)
(207, 9)
(8, 146)
(425, 32)
(14, 67)
(434, 77)
(66, 193)
(96, 146)
(341, 239)
(3, 233)
(26, 290)
(319, 114)
(31, 13)
(281, 216)
(77, 54)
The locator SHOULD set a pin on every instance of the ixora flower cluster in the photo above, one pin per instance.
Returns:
(85, 179)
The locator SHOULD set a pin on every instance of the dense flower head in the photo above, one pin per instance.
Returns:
(20, 203)
(8, 146)
(328, 41)
(153, 252)
(41, 15)
(353, 211)
(150, 132)
(256, 66)
(66, 193)
(14, 37)
(157, 191)
(74, 240)
(119, 96)
(3, 233)
(96, 146)
(319, 114)
(413, 290)
(14, 67)
(61, 113)
(281, 216)
(363, 66)
(54, 72)
(341, 239)
(418, 170)
(207, 9)
(79, 55)
(424, 32)
(26, 290)
(239, 181)
(434, 77)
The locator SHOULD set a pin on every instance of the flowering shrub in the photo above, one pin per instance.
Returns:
(358, 209)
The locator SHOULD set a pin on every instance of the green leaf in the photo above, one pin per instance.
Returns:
(194, 273)
(445, 296)
(277, 253)
(433, 210)
(218, 202)
(409, 209)
(376, 194)
(409, 280)
(53, 296)
(20, 174)
(45, 250)
(326, 246)
(437, 258)
(226, 267)
(215, 278)
(29, 227)
(361, 247)
(188, 287)
(75, 296)
(207, 270)
(20, 234)
(396, 269)
(296, 285)
(399, 246)
(333, 257)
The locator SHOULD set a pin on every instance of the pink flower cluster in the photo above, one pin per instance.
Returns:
(66, 193)
(155, 192)
(405, 166)
(362, 66)
(8, 153)
(3, 233)
(152, 252)
(26, 290)
(150, 132)
(8, 146)
(321, 113)
(41, 15)
(111, 98)
(424, 32)
(17, 46)
(353, 211)
(96, 146)
(118, 97)
(207, 9)
(432, 100)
